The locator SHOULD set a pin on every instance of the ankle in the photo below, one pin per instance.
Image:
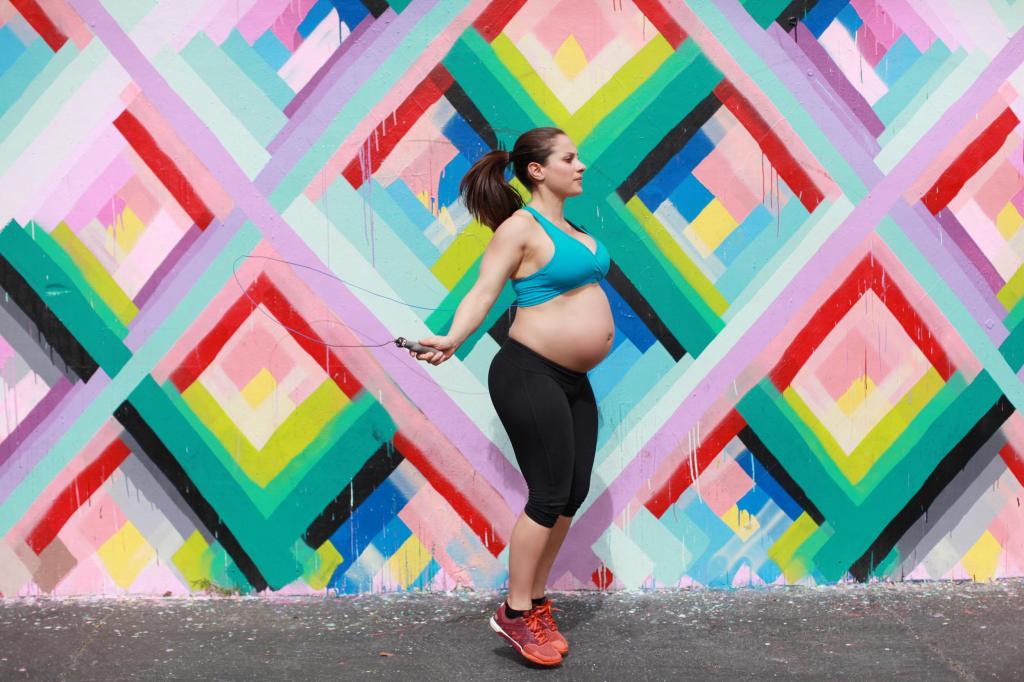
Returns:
(518, 604)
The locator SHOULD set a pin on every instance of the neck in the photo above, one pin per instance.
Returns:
(553, 207)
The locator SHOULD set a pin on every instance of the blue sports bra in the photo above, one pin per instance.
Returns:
(572, 265)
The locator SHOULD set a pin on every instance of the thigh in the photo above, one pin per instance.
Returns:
(584, 429)
(534, 410)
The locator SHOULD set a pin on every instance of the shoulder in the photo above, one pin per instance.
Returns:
(517, 228)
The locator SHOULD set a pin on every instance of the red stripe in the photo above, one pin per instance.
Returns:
(389, 133)
(663, 21)
(602, 577)
(271, 297)
(1013, 461)
(196, 362)
(479, 524)
(264, 291)
(868, 274)
(37, 18)
(682, 478)
(887, 290)
(773, 147)
(164, 168)
(493, 20)
(969, 162)
(75, 494)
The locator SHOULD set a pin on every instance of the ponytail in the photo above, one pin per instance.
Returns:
(485, 191)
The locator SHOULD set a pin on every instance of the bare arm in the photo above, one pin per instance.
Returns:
(501, 258)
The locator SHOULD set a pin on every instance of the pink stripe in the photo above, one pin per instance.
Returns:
(578, 556)
(203, 182)
(918, 24)
(81, 169)
(878, 21)
(230, 16)
(285, 25)
(100, 193)
(259, 18)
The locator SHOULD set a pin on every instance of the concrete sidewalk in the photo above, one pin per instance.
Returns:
(923, 631)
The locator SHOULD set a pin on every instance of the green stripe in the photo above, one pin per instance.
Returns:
(503, 101)
(96, 275)
(365, 426)
(84, 314)
(896, 487)
(764, 12)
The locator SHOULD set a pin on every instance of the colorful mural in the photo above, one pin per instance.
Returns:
(814, 213)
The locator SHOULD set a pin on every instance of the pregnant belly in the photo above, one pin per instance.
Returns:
(574, 329)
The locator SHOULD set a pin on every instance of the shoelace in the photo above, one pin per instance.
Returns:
(544, 612)
(536, 627)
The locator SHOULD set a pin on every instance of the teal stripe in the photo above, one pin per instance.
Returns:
(636, 394)
(74, 308)
(395, 217)
(909, 85)
(234, 88)
(793, 113)
(85, 425)
(764, 12)
(501, 98)
(625, 136)
(355, 109)
(247, 151)
(267, 541)
(11, 48)
(750, 268)
(257, 69)
(379, 245)
(862, 526)
(36, 70)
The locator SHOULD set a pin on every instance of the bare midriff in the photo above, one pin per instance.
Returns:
(574, 329)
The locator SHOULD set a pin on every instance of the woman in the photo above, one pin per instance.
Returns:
(538, 379)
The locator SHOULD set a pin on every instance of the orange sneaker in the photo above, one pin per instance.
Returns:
(528, 634)
(554, 636)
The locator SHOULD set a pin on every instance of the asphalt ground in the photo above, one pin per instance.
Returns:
(909, 631)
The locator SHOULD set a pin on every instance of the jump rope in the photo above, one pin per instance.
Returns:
(400, 342)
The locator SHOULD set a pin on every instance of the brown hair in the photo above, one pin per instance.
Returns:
(485, 191)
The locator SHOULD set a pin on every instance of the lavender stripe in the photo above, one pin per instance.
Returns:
(353, 43)
(443, 413)
(970, 250)
(167, 265)
(34, 418)
(579, 556)
(49, 431)
(946, 259)
(842, 87)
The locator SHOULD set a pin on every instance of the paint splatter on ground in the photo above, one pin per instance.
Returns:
(935, 631)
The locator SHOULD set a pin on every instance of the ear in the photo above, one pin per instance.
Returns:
(535, 171)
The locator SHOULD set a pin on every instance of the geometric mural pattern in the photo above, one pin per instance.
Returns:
(815, 211)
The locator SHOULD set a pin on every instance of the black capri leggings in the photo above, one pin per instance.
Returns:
(550, 414)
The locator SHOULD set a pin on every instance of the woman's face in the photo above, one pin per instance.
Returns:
(563, 172)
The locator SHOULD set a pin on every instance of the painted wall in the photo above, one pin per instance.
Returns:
(814, 212)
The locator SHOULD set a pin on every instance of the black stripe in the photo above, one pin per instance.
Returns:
(951, 465)
(376, 7)
(47, 324)
(794, 13)
(669, 146)
(374, 472)
(468, 110)
(157, 452)
(781, 476)
(645, 312)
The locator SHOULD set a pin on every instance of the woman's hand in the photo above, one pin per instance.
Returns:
(445, 349)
